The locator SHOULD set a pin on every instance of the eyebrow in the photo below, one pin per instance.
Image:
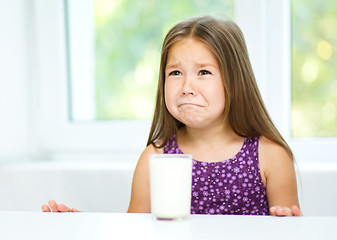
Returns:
(206, 65)
(175, 65)
(201, 65)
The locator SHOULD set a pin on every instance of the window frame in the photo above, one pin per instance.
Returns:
(57, 134)
(269, 23)
(266, 26)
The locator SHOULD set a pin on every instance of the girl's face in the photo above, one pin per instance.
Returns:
(194, 90)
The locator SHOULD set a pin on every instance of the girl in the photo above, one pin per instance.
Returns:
(208, 105)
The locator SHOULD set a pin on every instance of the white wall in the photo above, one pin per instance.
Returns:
(15, 32)
(100, 186)
(105, 186)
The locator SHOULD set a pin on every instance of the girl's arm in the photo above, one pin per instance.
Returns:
(140, 191)
(278, 173)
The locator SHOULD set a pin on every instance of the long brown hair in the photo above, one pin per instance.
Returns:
(244, 107)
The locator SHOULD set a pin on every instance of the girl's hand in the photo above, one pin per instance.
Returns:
(285, 211)
(52, 206)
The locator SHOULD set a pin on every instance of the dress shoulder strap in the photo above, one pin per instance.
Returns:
(171, 146)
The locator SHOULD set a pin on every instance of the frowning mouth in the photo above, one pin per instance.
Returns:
(189, 104)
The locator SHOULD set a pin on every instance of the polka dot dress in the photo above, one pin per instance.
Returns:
(233, 186)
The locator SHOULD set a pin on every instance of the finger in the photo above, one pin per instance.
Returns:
(64, 208)
(296, 211)
(280, 211)
(75, 210)
(283, 211)
(273, 209)
(45, 208)
(53, 206)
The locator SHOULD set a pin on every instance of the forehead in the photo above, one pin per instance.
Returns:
(190, 48)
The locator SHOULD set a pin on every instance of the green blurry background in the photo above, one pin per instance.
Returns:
(314, 68)
(129, 35)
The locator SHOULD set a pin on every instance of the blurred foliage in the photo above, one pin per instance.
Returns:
(314, 68)
(129, 35)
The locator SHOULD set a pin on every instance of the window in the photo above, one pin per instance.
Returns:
(79, 116)
(114, 53)
(314, 72)
(67, 110)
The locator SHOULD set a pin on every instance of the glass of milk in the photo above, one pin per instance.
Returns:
(170, 185)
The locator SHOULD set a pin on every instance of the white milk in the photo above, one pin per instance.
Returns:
(170, 184)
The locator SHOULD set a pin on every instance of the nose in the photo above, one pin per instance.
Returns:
(188, 88)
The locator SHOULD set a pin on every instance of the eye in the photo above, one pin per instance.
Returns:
(204, 72)
(174, 73)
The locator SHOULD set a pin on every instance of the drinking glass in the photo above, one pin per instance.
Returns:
(170, 185)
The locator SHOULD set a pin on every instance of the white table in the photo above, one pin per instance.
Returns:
(82, 226)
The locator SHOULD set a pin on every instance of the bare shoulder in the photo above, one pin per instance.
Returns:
(272, 156)
(140, 190)
(278, 173)
(151, 149)
(272, 149)
(142, 167)
(143, 161)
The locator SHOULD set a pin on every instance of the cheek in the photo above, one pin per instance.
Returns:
(169, 92)
(218, 99)
(168, 96)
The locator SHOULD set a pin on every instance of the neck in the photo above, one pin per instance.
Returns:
(210, 145)
(222, 132)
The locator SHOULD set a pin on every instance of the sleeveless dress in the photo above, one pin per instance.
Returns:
(233, 186)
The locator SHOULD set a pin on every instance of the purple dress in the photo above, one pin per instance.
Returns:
(232, 186)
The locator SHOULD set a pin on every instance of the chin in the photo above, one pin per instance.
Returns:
(194, 124)
(191, 120)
